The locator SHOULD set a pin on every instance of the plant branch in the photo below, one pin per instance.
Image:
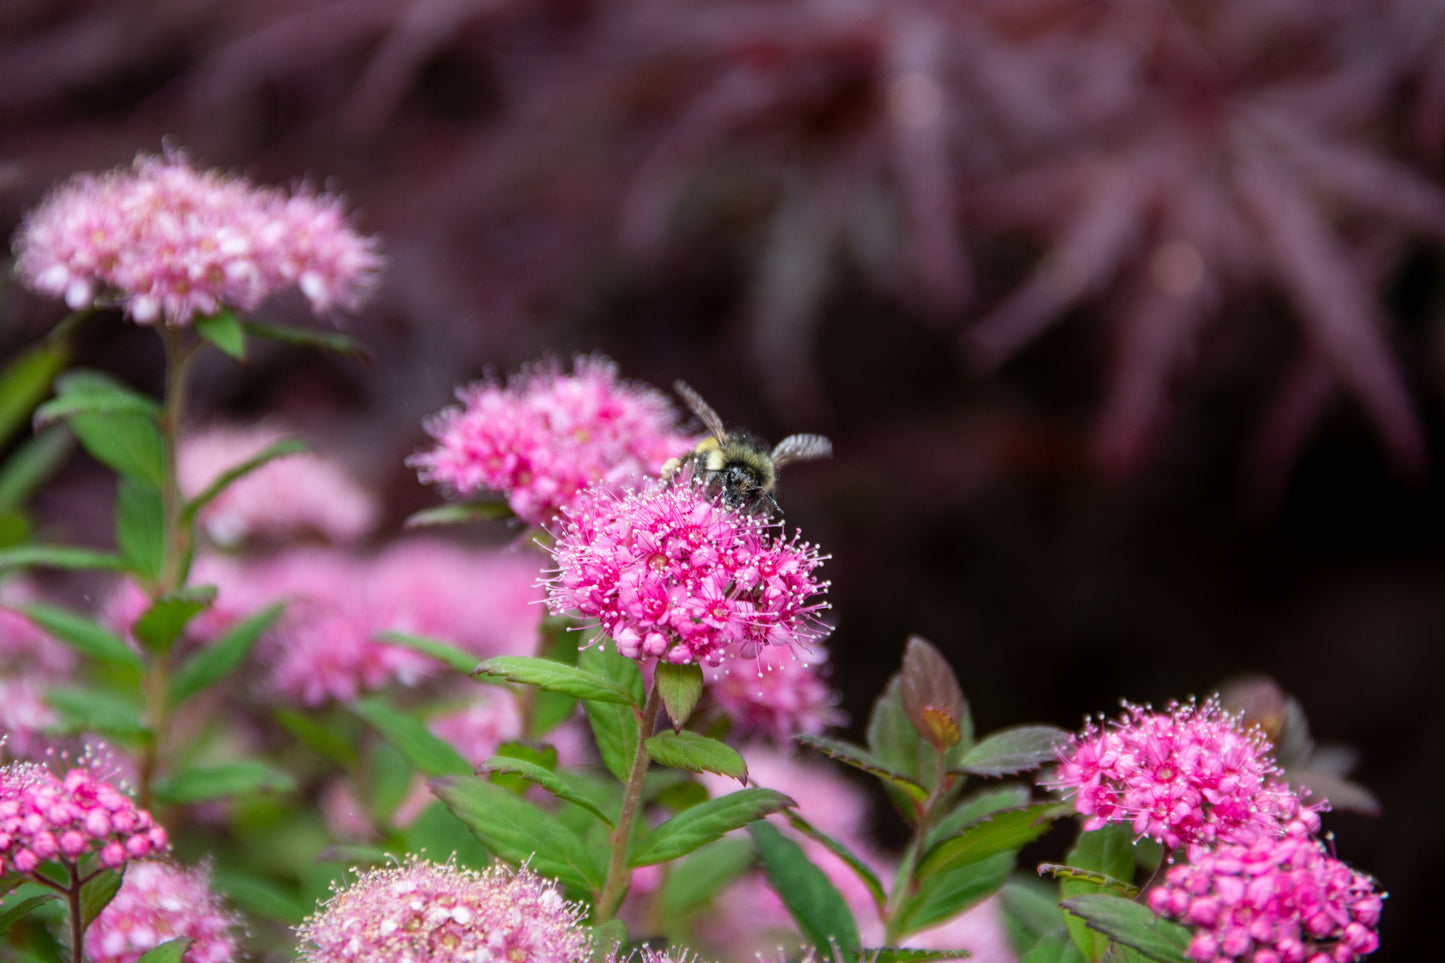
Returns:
(616, 885)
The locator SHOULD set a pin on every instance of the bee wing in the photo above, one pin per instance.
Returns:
(801, 448)
(702, 409)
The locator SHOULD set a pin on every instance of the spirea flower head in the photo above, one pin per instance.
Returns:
(159, 902)
(426, 912)
(296, 495)
(671, 573)
(168, 242)
(1274, 900)
(776, 695)
(545, 437)
(1192, 775)
(47, 817)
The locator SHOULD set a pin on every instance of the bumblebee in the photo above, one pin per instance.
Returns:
(736, 465)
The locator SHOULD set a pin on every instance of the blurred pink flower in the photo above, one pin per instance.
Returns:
(1272, 900)
(170, 243)
(159, 902)
(669, 573)
(777, 694)
(292, 496)
(546, 437)
(1191, 775)
(30, 663)
(444, 914)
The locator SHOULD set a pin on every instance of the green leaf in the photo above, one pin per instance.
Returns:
(944, 895)
(860, 868)
(220, 658)
(82, 635)
(680, 687)
(308, 337)
(25, 381)
(894, 954)
(697, 753)
(1109, 851)
(692, 828)
(279, 449)
(615, 728)
(446, 653)
(617, 668)
(219, 782)
(84, 392)
(976, 809)
(440, 833)
(259, 895)
(1003, 832)
(139, 527)
(702, 875)
(425, 752)
(459, 513)
(128, 444)
(545, 778)
(318, 738)
(61, 556)
(862, 759)
(1102, 881)
(1133, 925)
(895, 742)
(14, 914)
(171, 951)
(813, 901)
(1030, 911)
(30, 466)
(223, 329)
(609, 940)
(160, 625)
(1054, 948)
(518, 831)
(96, 895)
(1013, 750)
(556, 677)
(85, 709)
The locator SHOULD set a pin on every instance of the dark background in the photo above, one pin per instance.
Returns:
(737, 194)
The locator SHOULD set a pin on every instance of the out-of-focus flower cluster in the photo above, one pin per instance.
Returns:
(1190, 776)
(445, 914)
(1275, 900)
(170, 243)
(46, 817)
(286, 498)
(777, 694)
(30, 662)
(670, 573)
(546, 437)
(158, 902)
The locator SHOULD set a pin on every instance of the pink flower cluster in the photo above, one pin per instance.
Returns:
(170, 243)
(443, 914)
(670, 573)
(1191, 775)
(777, 695)
(159, 902)
(1274, 900)
(30, 662)
(546, 436)
(292, 496)
(47, 817)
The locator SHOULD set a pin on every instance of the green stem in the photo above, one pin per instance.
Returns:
(907, 884)
(617, 875)
(175, 557)
(77, 915)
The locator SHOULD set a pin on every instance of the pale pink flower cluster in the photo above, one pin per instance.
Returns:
(159, 902)
(440, 913)
(296, 495)
(170, 243)
(546, 437)
(324, 647)
(1273, 900)
(47, 817)
(30, 663)
(1192, 775)
(670, 573)
(777, 695)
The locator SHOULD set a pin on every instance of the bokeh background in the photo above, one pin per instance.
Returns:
(1126, 317)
